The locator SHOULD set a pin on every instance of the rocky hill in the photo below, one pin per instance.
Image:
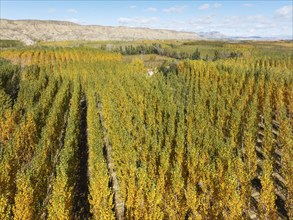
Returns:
(30, 31)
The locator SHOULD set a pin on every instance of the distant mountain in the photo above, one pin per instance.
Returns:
(262, 38)
(215, 35)
(31, 31)
(212, 35)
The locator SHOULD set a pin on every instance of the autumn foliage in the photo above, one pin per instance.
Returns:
(208, 140)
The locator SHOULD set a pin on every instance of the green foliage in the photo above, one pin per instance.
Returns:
(10, 43)
(9, 77)
(196, 55)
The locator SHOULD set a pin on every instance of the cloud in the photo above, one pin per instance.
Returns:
(132, 6)
(136, 20)
(207, 6)
(52, 10)
(285, 12)
(251, 21)
(217, 5)
(74, 20)
(241, 25)
(72, 11)
(151, 9)
(174, 24)
(204, 7)
(259, 25)
(247, 5)
(256, 19)
(174, 10)
(206, 20)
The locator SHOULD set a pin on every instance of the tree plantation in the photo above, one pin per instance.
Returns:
(85, 135)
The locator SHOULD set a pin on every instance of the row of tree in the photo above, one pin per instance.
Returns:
(179, 145)
(165, 50)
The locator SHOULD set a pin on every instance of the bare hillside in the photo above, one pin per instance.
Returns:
(30, 31)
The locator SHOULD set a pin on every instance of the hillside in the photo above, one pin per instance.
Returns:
(30, 31)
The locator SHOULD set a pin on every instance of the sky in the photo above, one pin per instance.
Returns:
(233, 18)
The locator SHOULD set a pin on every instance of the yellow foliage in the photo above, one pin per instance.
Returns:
(5, 209)
(24, 206)
(60, 202)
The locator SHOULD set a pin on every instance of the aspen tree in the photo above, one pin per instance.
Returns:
(286, 142)
(24, 207)
(267, 198)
